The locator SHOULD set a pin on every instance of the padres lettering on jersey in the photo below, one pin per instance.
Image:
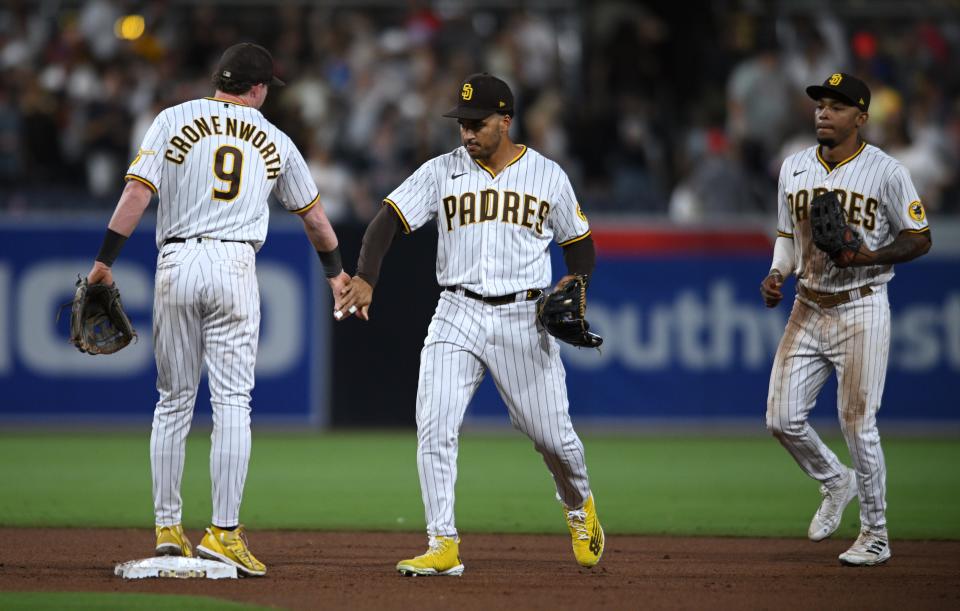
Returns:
(220, 162)
(495, 229)
(878, 196)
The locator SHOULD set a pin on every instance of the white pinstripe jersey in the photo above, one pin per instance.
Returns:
(877, 195)
(214, 164)
(495, 230)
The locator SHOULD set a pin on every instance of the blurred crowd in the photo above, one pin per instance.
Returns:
(649, 110)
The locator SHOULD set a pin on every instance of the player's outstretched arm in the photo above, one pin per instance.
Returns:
(356, 298)
(324, 240)
(130, 208)
(580, 258)
(908, 245)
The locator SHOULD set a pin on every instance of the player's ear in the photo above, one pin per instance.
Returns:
(862, 118)
(505, 123)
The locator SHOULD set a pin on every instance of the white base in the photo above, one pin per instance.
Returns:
(176, 567)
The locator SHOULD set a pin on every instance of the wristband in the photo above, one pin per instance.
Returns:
(110, 248)
(332, 266)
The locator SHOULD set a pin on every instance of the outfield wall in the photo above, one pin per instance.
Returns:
(687, 339)
(46, 380)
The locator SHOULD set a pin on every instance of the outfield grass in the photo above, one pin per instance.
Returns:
(55, 601)
(359, 481)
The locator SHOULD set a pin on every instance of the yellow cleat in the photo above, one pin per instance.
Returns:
(172, 541)
(443, 558)
(586, 532)
(230, 546)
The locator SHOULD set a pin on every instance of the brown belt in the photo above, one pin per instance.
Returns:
(831, 300)
(528, 295)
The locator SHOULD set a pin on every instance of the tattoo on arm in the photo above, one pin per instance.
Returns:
(905, 247)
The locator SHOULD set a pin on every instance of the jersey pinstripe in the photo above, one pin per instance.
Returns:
(214, 164)
(494, 230)
(852, 338)
(878, 197)
(494, 234)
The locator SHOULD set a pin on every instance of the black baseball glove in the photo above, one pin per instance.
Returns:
(562, 314)
(831, 233)
(98, 324)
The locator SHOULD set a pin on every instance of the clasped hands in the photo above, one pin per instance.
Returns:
(351, 296)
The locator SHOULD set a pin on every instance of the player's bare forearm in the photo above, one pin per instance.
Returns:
(906, 247)
(130, 208)
(319, 230)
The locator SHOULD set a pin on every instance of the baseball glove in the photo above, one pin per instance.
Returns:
(831, 234)
(98, 323)
(562, 314)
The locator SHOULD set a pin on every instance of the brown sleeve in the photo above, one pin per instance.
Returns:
(580, 257)
(376, 242)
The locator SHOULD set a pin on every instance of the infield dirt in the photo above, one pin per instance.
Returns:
(336, 570)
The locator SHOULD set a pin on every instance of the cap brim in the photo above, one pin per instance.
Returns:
(819, 91)
(275, 82)
(458, 112)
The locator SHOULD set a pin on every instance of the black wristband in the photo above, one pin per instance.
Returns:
(110, 249)
(332, 265)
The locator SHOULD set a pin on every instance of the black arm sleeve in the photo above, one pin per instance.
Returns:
(376, 242)
(580, 257)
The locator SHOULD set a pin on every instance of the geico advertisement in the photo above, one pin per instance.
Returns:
(44, 375)
(688, 337)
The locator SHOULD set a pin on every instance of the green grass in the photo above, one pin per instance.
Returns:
(55, 601)
(360, 481)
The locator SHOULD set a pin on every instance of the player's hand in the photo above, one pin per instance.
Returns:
(770, 289)
(100, 274)
(847, 258)
(355, 298)
(337, 284)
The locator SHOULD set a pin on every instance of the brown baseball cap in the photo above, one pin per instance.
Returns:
(844, 87)
(248, 63)
(480, 96)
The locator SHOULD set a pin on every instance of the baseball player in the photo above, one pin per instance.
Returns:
(213, 162)
(841, 317)
(497, 206)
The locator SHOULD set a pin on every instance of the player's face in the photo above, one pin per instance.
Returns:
(836, 121)
(482, 137)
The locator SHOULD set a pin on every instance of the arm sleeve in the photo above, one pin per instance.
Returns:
(147, 166)
(567, 220)
(376, 242)
(580, 257)
(295, 188)
(415, 201)
(902, 203)
(784, 257)
(784, 219)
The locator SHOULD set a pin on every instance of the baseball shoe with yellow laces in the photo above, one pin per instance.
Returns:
(443, 558)
(586, 532)
(230, 546)
(172, 541)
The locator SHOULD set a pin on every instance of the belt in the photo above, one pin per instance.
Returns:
(830, 300)
(199, 240)
(528, 295)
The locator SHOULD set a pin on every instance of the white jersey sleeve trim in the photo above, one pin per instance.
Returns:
(306, 208)
(141, 179)
(396, 208)
(576, 239)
